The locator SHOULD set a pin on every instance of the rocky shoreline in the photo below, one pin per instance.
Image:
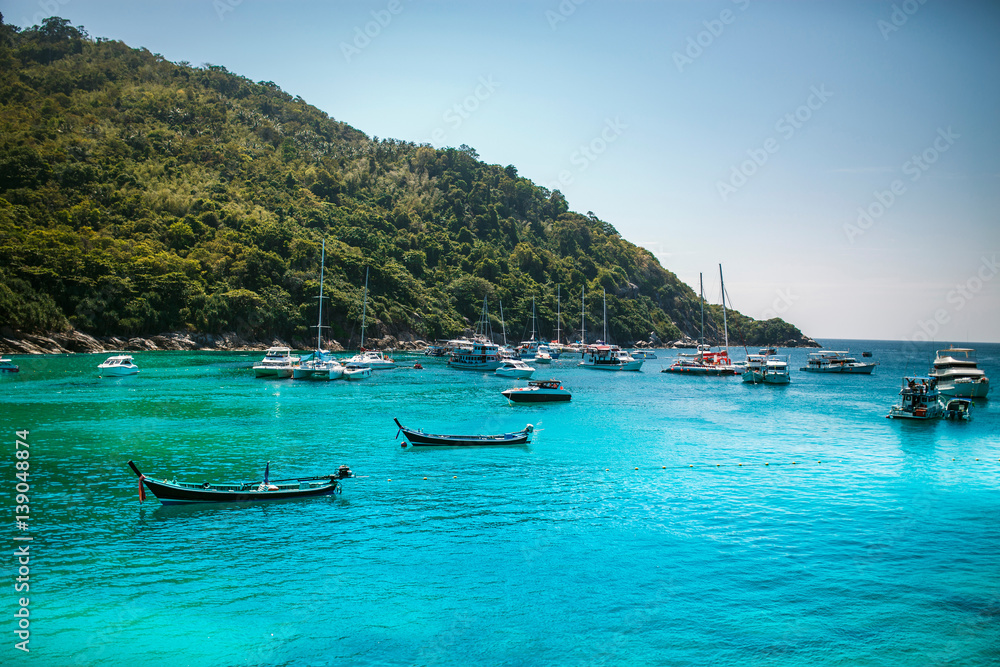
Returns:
(77, 342)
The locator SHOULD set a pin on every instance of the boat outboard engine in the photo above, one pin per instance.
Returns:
(343, 472)
(529, 428)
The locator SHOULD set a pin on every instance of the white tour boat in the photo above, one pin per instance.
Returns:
(118, 366)
(958, 375)
(479, 354)
(766, 368)
(833, 361)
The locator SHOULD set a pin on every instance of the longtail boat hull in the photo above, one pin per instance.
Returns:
(421, 439)
(182, 493)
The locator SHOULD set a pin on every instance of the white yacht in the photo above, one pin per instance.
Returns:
(958, 375)
(278, 362)
(118, 366)
(374, 359)
(833, 361)
(514, 368)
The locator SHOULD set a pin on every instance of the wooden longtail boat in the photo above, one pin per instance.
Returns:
(174, 493)
(421, 439)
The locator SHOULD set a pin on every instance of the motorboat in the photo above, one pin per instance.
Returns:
(919, 399)
(643, 354)
(766, 368)
(374, 359)
(538, 391)
(703, 362)
(321, 365)
(834, 361)
(957, 373)
(118, 366)
(172, 492)
(420, 439)
(356, 371)
(8, 366)
(544, 354)
(958, 409)
(278, 362)
(514, 368)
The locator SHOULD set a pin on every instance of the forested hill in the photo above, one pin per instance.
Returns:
(140, 196)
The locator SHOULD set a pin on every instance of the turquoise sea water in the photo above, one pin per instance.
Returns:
(628, 532)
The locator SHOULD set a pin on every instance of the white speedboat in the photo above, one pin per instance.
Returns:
(356, 371)
(8, 366)
(957, 374)
(118, 366)
(538, 391)
(278, 362)
(544, 354)
(919, 399)
(833, 361)
(514, 368)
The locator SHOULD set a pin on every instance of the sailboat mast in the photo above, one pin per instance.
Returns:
(605, 316)
(725, 326)
(503, 325)
(558, 317)
(583, 315)
(701, 287)
(364, 310)
(532, 318)
(319, 321)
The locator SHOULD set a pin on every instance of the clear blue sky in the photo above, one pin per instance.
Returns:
(746, 133)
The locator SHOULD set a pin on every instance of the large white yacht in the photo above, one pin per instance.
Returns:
(766, 368)
(514, 368)
(958, 375)
(278, 362)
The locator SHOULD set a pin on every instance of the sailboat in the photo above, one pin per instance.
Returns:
(529, 348)
(321, 365)
(373, 359)
(603, 356)
(704, 361)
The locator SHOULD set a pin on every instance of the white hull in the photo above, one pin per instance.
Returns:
(118, 371)
(517, 374)
(357, 373)
(934, 411)
(965, 389)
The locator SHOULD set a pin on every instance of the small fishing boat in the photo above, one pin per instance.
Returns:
(919, 399)
(172, 492)
(118, 366)
(356, 371)
(420, 439)
(538, 391)
(514, 368)
(8, 366)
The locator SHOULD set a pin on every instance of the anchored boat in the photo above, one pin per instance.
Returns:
(537, 391)
(172, 492)
(420, 439)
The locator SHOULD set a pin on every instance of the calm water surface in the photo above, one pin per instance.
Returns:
(655, 519)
